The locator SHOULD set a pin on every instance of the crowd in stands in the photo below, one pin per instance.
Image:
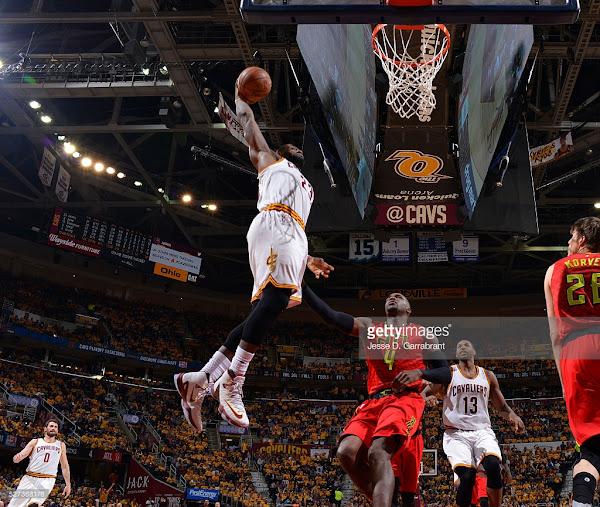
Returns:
(277, 414)
(303, 479)
(537, 477)
(90, 413)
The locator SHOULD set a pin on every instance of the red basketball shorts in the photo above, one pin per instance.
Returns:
(407, 464)
(397, 414)
(581, 381)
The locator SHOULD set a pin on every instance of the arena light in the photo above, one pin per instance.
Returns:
(137, 183)
(45, 118)
(216, 109)
(163, 70)
(76, 154)
(86, 161)
(146, 69)
(110, 170)
(61, 138)
(212, 207)
(99, 166)
(186, 198)
(160, 191)
(34, 104)
(1, 64)
(120, 175)
(69, 148)
(597, 205)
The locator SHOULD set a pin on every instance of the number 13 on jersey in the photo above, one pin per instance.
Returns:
(363, 247)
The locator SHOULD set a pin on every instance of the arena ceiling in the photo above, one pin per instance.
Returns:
(86, 59)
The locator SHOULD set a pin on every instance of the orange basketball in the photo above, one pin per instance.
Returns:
(254, 84)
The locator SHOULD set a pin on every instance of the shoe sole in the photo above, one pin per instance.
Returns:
(187, 410)
(232, 421)
(187, 413)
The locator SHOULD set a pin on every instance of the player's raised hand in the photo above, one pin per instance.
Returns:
(319, 267)
(405, 378)
(67, 490)
(516, 420)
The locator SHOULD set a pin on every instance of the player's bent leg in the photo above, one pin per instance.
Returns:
(465, 488)
(491, 465)
(585, 472)
(228, 389)
(353, 457)
(380, 459)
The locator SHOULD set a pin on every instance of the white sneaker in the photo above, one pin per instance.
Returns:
(228, 391)
(192, 410)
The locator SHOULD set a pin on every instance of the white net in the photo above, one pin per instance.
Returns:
(411, 77)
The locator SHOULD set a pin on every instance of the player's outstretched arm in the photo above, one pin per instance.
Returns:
(438, 371)
(319, 267)
(343, 322)
(502, 407)
(66, 471)
(261, 154)
(20, 456)
(556, 346)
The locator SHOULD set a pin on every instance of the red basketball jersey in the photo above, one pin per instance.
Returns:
(575, 288)
(389, 352)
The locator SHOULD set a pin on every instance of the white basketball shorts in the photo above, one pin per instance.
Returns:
(277, 250)
(468, 448)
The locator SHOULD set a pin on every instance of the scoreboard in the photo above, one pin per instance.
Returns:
(100, 238)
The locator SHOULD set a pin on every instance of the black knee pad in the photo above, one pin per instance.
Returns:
(484, 501)
(590, 451)
(584, 487)
(465, 488)
(491, 465)
(272, 302)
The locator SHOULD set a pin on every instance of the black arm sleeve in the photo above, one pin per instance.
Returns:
(439, 371)
(339, 320)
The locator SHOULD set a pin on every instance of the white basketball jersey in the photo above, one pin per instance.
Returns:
(466, 401)
(281, 183)
(44, 458)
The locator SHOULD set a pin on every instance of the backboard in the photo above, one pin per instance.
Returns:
(528, 12)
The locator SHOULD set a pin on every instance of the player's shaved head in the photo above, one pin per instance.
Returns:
(397, 303)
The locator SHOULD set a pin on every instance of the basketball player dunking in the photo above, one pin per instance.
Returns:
(572, 289)
(278, 251)
(44, 456)
(386, 424)
(469, 442)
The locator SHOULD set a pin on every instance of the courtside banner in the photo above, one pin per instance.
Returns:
(202, 494)
(558, 148)
(416, 167)
(417, 214)
(286, 449)
(143, 486)
(441, 293)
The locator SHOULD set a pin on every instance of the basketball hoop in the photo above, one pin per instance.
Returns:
(411, 78)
